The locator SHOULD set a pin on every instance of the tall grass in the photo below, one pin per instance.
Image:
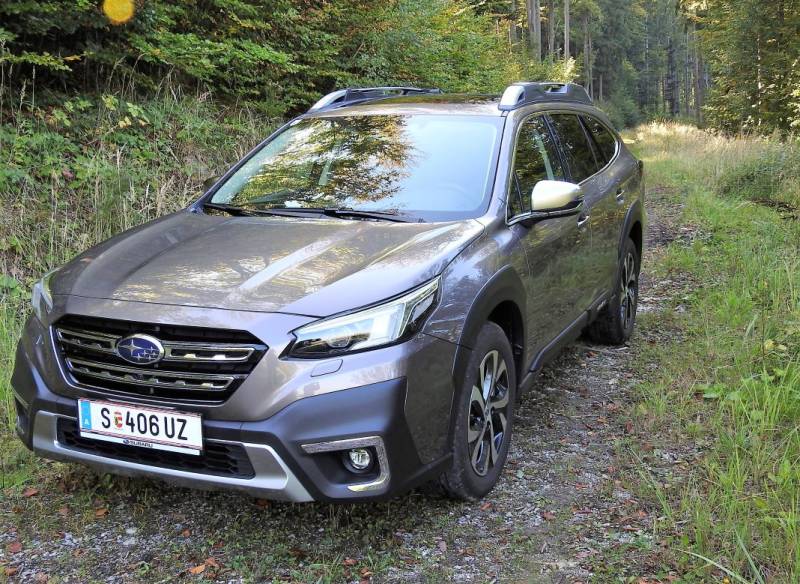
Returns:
(74, 171)
(733, 382)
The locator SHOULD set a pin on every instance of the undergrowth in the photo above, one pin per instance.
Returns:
(75, 172)
(730, 386)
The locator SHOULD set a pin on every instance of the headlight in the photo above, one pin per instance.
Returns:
(374, 327)
(41, 299)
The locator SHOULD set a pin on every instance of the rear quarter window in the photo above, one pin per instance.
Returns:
(605, 140)
(576, 147)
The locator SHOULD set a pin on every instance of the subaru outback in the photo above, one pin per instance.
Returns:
(353, 309)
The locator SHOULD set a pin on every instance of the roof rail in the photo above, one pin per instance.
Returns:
(528, 92)
(352, 95)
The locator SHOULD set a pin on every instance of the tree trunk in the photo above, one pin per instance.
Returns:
(698, 79)
(535, 28)
(671, 91)
(591, 65)
(587, 68)
(566, 30)
(513, 24)
(687, 77)
(551, 29)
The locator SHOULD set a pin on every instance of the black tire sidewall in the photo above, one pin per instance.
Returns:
(625, 332)
(463, 478)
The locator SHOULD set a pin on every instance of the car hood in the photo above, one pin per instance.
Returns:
(307, 266)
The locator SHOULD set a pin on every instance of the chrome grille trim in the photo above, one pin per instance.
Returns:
(174, 351)
(91, 341)
(152, 377)
(200, 365)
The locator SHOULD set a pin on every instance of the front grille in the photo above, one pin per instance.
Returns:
(219, 459)
(199, 365)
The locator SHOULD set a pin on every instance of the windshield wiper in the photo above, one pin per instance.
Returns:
(230, 209)
(346, 212)
(243, 212)
(300, 211)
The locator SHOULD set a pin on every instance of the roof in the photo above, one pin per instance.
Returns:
(377, 100)
(445, 103)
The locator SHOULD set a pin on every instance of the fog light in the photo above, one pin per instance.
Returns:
(360, 458)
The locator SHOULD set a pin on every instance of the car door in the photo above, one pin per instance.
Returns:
(552, 246)
(598, 210)
(614, 179)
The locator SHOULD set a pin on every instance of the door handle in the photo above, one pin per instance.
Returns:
(582, 220)
(620, 195)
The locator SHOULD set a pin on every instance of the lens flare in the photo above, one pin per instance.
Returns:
(119, 11)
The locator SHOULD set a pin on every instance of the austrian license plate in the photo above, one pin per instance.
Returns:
(145, 427)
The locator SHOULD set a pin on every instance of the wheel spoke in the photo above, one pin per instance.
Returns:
(499, 396)
(480, 461)
(488, 372)
(477, 397)
(497, 435)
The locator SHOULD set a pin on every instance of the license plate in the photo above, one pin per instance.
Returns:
(145, 427)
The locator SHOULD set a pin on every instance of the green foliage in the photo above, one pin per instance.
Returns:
(729, 387)
(753, 48)
(773, 175)
(278, 55)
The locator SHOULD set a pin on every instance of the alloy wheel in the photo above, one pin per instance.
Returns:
(488, 413)
(629, 291)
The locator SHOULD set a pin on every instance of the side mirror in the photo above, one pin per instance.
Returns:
(209, 182)
(555, 198)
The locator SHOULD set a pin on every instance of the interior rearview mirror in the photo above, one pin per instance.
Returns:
(556, 198)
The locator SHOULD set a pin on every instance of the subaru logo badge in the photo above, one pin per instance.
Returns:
(140, 349)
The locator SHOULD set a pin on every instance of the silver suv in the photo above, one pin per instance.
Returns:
(353, 309)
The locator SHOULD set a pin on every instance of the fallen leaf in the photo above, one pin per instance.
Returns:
(212, 563)
(30, 492)
(199, 569)
(14, 547)
(41, 577)
(366, 572)
(350, 562)
(628, 427)
(10, 571)
(263, 503)
(486, 506)
(186, 533)
(63, 511)
(548, 516)
(100, 513)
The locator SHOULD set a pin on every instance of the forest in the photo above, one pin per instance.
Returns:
(683, 467)
(731, 65)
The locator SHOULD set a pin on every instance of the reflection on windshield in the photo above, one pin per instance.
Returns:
(421, 164)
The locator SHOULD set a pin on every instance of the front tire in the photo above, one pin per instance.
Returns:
(483, 417)
(614, 325)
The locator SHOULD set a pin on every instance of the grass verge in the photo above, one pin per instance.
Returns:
(77, 170)
(727, 387)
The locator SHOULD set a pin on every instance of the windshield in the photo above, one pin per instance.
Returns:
(425, 166)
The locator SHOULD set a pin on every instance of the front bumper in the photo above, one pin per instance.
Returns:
(295, 454)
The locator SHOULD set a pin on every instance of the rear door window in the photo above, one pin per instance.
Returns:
(606, 141)
(576, 147)
(535, 159)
